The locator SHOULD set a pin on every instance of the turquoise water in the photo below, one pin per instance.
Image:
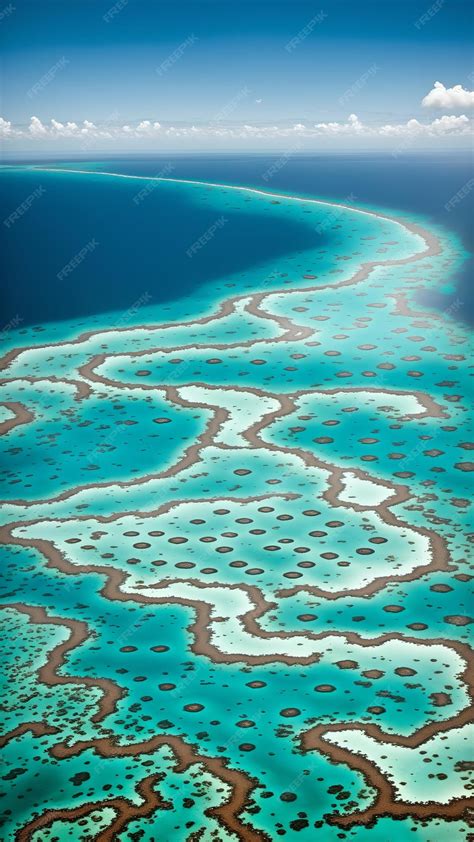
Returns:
(236, 518)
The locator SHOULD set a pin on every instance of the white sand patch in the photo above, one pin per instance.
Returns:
(408, 768)
(244, 407)
(364, 492)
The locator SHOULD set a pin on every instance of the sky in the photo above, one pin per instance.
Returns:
(151, 75)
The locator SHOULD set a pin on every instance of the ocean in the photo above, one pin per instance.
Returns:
(236, 497)
(410, 183)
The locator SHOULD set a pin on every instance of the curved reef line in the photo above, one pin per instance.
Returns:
(49, 672)
(38, 729)
(126, 812)
(219, 416)
(227, 814)
(411, 226)
(201, 628)
(400, 493)
(241, 785)
(82, 388)
(386, 802)
(21, 415)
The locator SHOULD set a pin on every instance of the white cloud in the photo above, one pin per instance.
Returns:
(450, 98)
(6, 129)
(353, 126)
(443, 125)
(36, 128)
(144, 126)
(411, 127)
(448, 125)
(61, 130)
(452, 125)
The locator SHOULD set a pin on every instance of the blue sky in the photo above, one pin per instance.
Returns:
(228, 61)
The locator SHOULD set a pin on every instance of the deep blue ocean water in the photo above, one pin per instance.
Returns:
(36, 247)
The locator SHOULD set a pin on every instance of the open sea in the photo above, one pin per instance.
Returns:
(236, 494)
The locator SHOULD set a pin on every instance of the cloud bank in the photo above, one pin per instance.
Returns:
(87, 132)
